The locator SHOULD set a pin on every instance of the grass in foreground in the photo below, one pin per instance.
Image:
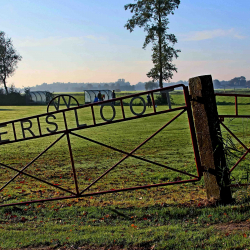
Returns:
(191, 225)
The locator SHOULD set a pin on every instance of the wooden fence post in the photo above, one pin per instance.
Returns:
(207, 126)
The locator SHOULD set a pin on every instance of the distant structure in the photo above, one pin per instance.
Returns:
(91, 94)
(38, 97)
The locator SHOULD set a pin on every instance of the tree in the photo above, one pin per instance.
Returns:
(89, 86)
(238, 81)
(150, 85)
(8, 59)
(248, 83)
(106, 86)
(217, 84)
(152, 15)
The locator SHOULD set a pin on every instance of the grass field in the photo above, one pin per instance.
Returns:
(172, 217)
(177, 96)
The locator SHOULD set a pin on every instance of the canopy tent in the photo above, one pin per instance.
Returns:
(38, 97)
(91, 94)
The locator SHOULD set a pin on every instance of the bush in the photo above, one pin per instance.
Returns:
(159, 100)
(12, 98)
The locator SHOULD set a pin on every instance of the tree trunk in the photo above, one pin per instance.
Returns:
(160, 48)
(5, 86)
(163, 95)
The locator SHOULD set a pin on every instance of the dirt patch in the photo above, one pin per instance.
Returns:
(234, 226)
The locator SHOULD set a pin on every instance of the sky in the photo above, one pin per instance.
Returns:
(85, 40)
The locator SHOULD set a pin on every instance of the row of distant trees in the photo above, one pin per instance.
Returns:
(237, 82)
(120, 85)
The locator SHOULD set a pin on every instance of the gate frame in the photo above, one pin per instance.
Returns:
(67, 132)
(222, 117)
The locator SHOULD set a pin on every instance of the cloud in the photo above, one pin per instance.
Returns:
(210, 34)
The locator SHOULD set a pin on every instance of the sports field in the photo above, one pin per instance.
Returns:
(171, 217)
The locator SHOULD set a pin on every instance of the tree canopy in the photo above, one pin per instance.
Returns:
(8, 59)
(150, 85)
(240, 81)
(153, 16)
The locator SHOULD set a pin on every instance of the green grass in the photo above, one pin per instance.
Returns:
(172, 217)
(179, 226)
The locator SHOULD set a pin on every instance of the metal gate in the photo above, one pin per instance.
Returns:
(233, 116)
(32, 128)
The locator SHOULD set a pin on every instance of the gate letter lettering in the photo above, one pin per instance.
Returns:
(57, 104)
(102, 116)
(67, 103)
(131, 105)
(77, 121)
(3, 133)
(52, 123)
(29, 128)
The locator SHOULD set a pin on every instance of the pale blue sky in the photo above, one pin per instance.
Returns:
(85, 40)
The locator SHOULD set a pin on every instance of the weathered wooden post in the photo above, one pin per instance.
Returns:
(216, 174)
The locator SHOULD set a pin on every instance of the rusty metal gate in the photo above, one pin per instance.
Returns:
(32, 128)
(233, 116)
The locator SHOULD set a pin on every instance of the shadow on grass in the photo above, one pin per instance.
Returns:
(120, 227)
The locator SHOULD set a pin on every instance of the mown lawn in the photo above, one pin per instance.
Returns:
(171, 217)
